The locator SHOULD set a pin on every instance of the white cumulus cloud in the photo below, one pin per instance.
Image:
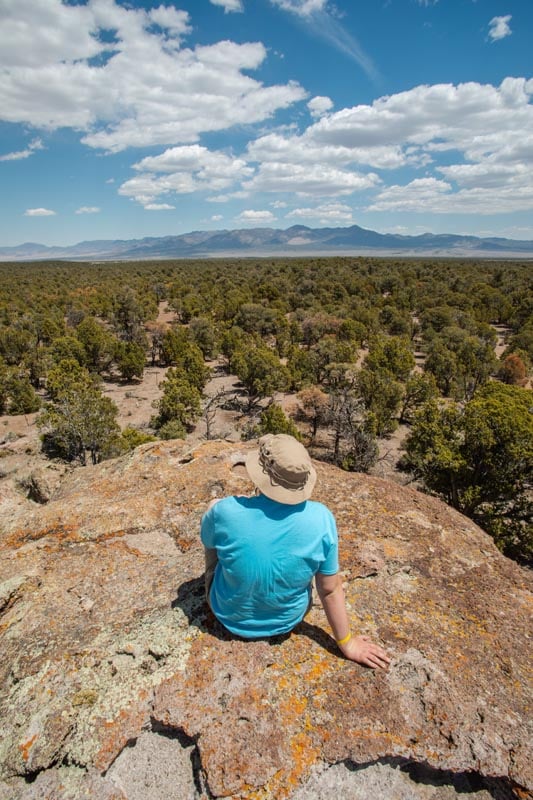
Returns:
(250, 215)
(182, 170)
(499, 27)
(326, 213)
(319, 105)
(309, 180)
(483, 131)
(39, 212)
(137, 87)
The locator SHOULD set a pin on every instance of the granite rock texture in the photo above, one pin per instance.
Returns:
(117, 683)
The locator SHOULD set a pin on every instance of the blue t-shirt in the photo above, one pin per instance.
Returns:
(267, 554)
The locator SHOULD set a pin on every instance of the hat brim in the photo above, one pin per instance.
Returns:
(273, 490)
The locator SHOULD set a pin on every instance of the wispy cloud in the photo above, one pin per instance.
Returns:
(304, 8)
(228, 5)
(88, 210)
(20, 154)
(39, 212)
(499, 27)
(321, 21)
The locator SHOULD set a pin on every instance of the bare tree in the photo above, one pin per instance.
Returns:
(210, 409)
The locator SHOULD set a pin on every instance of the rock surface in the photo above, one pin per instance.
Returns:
(117, 683)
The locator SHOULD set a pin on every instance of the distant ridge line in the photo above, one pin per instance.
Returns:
(298, 240)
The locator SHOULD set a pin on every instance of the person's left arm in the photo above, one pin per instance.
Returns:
(356, 648)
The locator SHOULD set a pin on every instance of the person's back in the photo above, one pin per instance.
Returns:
(268, 554)
(262, 553)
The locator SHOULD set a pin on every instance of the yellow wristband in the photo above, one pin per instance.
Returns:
(346, 639)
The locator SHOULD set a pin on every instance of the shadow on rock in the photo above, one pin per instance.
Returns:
(191, 600)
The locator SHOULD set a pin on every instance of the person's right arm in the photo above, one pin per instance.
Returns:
(356, 648)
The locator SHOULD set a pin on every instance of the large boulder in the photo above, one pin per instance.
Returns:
(118, 684)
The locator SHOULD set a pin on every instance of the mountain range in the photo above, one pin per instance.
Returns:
(299, 240)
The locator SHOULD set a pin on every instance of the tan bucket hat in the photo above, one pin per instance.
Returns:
(282, 469)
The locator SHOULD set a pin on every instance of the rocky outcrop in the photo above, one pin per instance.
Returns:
(117, 683)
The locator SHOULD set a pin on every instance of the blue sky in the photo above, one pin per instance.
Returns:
(122, 120)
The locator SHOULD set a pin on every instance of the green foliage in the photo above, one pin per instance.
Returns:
(203, 334)
(437, 318)
(17, 395)
(332, 351)
(65, 374)
(98, 344)
(382, 396)
(21, 396)
(48, 327)
(36, 365)
(302, 366)
(442, 364)
(192, 363)
(256, 318)
(352, 331)
(391, 355)
(314, 328)
(173, 345)
(186, 356)
(274, 420)
(130, 438)
(260, 371)
(15, 343)
(523, 340)
(480, 459)
(491, 305)
(172, 429)
(475, 363)
(315, 312)
(129, 315)
(418, 389)
(81, 420)
(68, 347)
(396, 322)
(232, 340)
(130, 358)
(180, 401)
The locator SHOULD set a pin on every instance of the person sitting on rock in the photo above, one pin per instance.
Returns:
(262, 553)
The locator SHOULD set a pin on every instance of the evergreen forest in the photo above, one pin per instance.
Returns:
(441, 348)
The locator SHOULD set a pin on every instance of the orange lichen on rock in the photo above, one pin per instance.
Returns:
(114, 734)
(25, 747)
(109, 610)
